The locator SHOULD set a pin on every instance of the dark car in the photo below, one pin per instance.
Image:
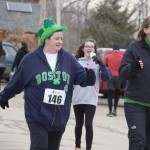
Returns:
(10, 52)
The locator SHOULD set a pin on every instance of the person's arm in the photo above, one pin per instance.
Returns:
(130, 65)
(83, 76)
(17, 60)
(13, 87)
(105, 60)
(105, 73)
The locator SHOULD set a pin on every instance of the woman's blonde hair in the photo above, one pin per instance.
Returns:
(146, 23)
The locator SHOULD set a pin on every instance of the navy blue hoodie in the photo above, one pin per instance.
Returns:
(34, 75)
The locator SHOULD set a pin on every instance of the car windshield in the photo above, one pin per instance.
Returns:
(9, 51)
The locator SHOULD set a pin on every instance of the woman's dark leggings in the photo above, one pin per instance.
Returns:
(41, 139)
(138, 120)
(110, 99)
(89, 112)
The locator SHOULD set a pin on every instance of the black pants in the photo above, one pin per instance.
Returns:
(113, 95)
(2, 69)
(138, 120)
(89, 112)
(41, 139)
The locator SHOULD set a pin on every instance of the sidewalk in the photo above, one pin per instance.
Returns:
(103, 101)
(109, 133)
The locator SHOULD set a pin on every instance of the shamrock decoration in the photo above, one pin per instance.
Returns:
(66, 88)
(56, 81)
(48, 23)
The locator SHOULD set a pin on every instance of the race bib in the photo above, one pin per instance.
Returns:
(54, 97)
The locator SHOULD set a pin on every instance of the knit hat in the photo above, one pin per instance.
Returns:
(116, 46)
(48, 28)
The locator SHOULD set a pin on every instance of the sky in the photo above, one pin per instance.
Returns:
(124, 2)
(131, 5)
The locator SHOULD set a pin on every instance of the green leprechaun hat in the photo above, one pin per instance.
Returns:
(48, 28)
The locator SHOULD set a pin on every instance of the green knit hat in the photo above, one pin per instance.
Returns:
(48, 28)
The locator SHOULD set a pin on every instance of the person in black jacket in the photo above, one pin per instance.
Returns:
(20, 54)
(135, 68)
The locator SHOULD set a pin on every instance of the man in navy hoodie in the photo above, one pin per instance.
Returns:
(47, 76)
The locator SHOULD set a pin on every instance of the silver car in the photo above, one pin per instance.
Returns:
(10, 52)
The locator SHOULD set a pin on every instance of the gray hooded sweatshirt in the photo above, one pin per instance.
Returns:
(89, 94)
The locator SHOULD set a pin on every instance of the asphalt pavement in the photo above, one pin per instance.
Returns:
(110, 133)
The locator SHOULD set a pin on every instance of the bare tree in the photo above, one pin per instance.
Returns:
(73, 16)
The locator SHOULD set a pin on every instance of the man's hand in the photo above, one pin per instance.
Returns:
(4, 104)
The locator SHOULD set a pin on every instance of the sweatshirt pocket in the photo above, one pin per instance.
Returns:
(46, 114)
(61, 117)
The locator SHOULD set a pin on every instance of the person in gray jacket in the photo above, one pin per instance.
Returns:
(85, 99)
(135, 68)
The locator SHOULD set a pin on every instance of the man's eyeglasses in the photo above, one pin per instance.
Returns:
(87, 46)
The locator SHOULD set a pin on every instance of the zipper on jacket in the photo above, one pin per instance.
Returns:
(53, 117)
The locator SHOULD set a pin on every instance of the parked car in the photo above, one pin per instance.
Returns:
(10, 52)
(103, 52)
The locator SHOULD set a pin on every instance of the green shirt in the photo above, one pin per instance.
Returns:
(147, 40)
(126, 100)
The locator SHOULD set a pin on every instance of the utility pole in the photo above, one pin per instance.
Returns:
(146, 8)
(42, 14)
(43, 11)
(58, 12)
(139, 18)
